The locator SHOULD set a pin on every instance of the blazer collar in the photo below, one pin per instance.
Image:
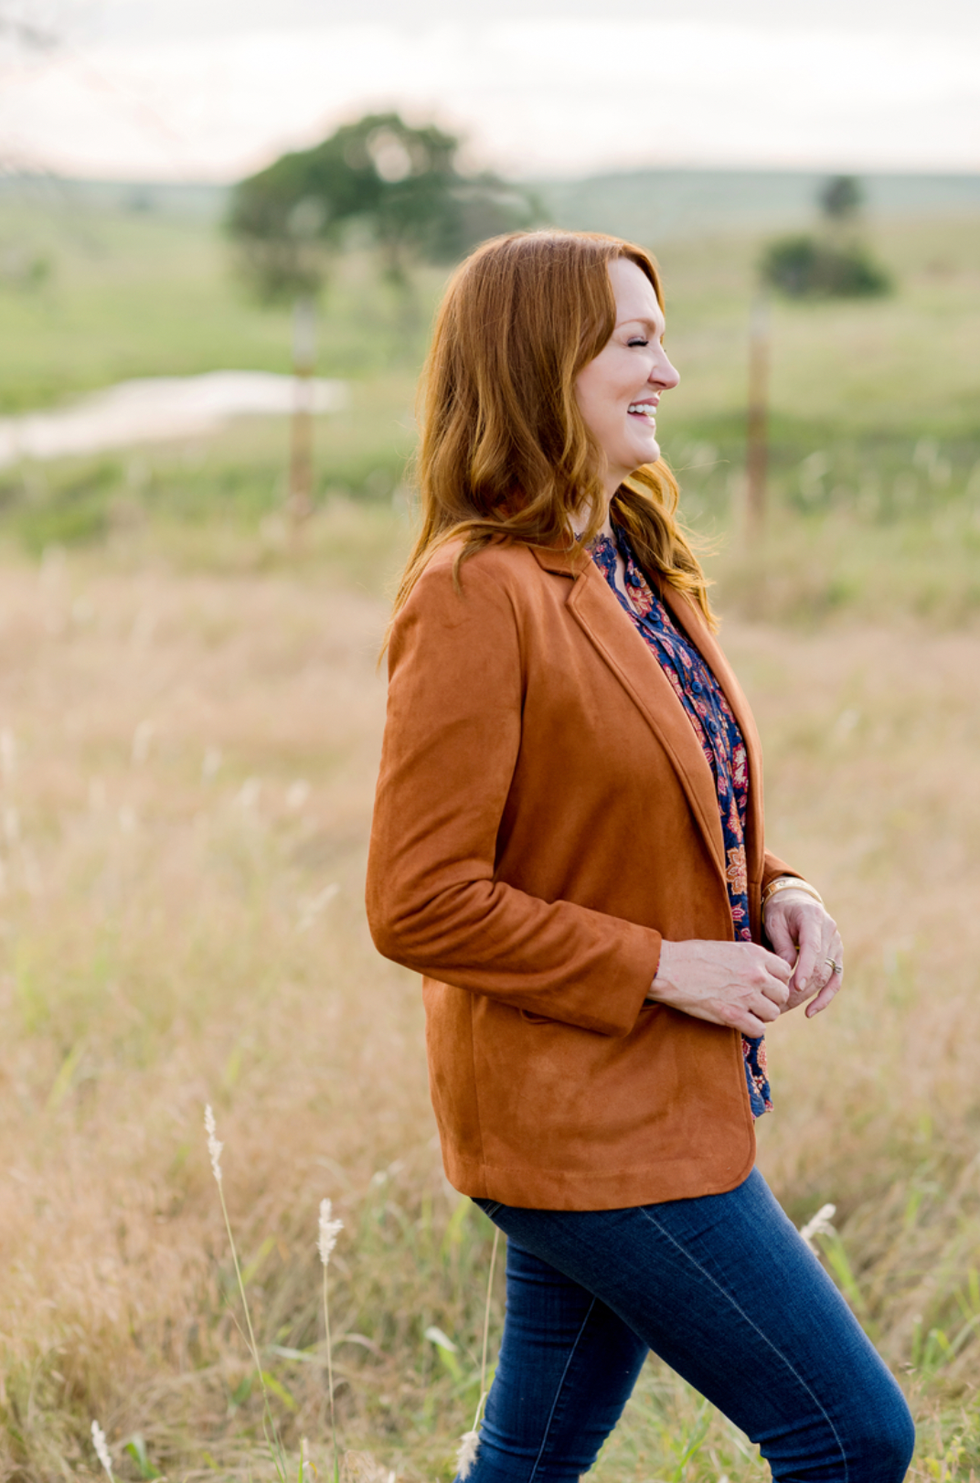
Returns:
(560, 560)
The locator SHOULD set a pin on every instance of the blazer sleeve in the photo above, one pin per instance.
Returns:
(452, 737)
(774, 867)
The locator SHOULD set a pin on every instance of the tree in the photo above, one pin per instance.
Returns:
(833, 263)
(841, 198)
(402, 184)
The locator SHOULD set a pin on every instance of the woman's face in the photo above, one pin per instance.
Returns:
(619, 391)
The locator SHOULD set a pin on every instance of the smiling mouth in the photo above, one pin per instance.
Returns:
(642, 409)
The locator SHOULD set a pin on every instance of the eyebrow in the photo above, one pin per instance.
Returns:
(651, 324)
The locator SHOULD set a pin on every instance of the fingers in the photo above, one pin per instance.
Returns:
(819, 941)
(753, 1018)
(750, 1024)
(832, 982)
(830, 989)
(815, 947)
(782, 939)
(823, 998)
(809, 953)
(777, 965)
(775, 991)
(738, 984)
(772, 976)
(769, 983)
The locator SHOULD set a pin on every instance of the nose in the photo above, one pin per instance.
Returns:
(663, 374)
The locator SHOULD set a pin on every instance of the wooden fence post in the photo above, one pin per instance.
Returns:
(757, 432)
(299, 502)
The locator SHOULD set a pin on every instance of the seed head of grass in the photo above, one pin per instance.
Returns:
(329, 1231)
(101, 1447)
(214, 1147)
(469, 1446)
(819, 1225)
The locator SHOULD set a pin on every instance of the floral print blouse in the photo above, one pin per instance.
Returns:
(721, 741)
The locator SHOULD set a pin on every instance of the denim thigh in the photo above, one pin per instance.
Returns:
(566, 1369)
(723, 1289)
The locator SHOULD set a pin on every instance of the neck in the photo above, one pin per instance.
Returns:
(583, 515)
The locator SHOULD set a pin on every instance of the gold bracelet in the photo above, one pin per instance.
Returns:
(789, 883)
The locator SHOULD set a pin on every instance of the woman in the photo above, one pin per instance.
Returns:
(568, 845)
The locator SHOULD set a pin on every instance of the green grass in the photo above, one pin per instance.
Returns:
(899, 366)
(875, 429)
(882, 528)
(144, 295)
(132, 294)
(855, 387)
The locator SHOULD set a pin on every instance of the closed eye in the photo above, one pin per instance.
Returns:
(637, 341)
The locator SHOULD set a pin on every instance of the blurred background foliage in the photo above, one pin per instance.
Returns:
(834, 264)
(874, 431)
(398, 184)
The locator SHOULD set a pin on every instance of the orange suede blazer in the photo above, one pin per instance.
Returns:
(544, 815)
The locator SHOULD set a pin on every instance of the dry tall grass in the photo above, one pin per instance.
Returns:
(187, 765)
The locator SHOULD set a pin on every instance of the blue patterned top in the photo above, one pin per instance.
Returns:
(721, 741)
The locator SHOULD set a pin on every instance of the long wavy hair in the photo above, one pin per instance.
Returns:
(504, 453)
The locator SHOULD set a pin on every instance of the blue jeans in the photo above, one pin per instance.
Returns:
(723, 1289)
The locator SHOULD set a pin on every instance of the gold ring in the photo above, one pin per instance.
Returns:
(832, 963)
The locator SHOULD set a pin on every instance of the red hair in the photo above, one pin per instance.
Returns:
(504, 452)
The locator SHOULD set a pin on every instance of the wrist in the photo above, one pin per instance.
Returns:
(659, 980)
(784, 883)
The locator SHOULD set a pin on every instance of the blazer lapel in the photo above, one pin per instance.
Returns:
(604, 623)
(689, 618)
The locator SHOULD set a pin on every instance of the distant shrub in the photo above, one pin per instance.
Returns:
(841, 197)
(806, 267)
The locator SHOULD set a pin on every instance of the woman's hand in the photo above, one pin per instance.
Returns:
(805, 936)
(737, 984)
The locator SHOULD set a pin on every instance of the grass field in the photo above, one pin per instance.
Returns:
(190, 718)
(874, 420)
(188, 767)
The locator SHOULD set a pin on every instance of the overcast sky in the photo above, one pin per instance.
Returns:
(210, 89)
